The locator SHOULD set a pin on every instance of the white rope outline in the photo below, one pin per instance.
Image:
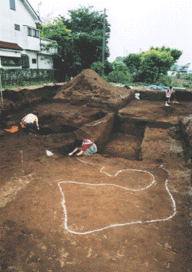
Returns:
(95, 123)
(105, 184)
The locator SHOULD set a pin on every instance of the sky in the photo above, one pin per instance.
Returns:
(135, 25)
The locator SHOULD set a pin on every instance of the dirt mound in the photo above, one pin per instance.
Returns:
(88, 86)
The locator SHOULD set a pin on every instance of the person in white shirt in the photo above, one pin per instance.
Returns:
(30, 121)
(168, 95)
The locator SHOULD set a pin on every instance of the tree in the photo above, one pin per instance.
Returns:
(119, 66)
(155, 63)
(118, 77)
(108, 67)
(133, 62)
(150, 65)
(175, 53)
(79, 41)
(66, 61)
(120, 73)
(97, 67)
(87, 30)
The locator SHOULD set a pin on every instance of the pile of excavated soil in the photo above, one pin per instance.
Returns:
(88, 84)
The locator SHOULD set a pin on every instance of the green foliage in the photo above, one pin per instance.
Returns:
(175, 53)
(83, 20)
(187, 85)
(105, 78)
(24, 77)
(56, 31)
(66, 61)
(178, 75)
(97, 67)
(133, 62)
(108, 67)
(119, 66)
(118, 77)
(154, 63)
(87, 30)
(179, 84)
(150, 65)
(165, 80)
(189, 76)
(79, 40)
(120, 73)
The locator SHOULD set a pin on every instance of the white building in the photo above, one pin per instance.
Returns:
(20, 42)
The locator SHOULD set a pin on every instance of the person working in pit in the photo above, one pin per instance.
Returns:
(84, 147)
(30, 121)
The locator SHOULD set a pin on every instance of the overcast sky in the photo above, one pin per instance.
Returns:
(135, 25)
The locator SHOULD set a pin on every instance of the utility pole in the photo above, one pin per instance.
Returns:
(39, 4)
(103, 50)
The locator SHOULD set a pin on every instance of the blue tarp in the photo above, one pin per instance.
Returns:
(160, 87)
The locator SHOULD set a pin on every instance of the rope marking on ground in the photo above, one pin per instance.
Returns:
(105, 184)
(88, 125)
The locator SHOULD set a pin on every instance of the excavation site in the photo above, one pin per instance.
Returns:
(126, 208)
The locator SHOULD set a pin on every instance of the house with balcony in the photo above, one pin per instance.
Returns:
(20, 43)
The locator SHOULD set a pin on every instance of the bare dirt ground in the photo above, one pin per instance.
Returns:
(104, 212)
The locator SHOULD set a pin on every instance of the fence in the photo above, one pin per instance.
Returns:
(21, 76)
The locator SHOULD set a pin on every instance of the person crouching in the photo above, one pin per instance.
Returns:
(84, 147)
(30, 122)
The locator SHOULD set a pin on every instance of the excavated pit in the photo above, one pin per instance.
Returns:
(33, 221)
(125, 139)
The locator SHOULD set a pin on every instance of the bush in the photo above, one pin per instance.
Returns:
(189, 77)
(97, 67)
(180, 85)
(138, 77)
(105, 78)
(165, 80)
(188, 85)
(23, 77)
(118, 77)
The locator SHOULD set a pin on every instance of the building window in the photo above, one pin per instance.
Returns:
(25, 61)
(33, 32)
(29, 31)
(12, 4)
(37, 33)
(9, 61)
(17, 27)
(34, 61)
